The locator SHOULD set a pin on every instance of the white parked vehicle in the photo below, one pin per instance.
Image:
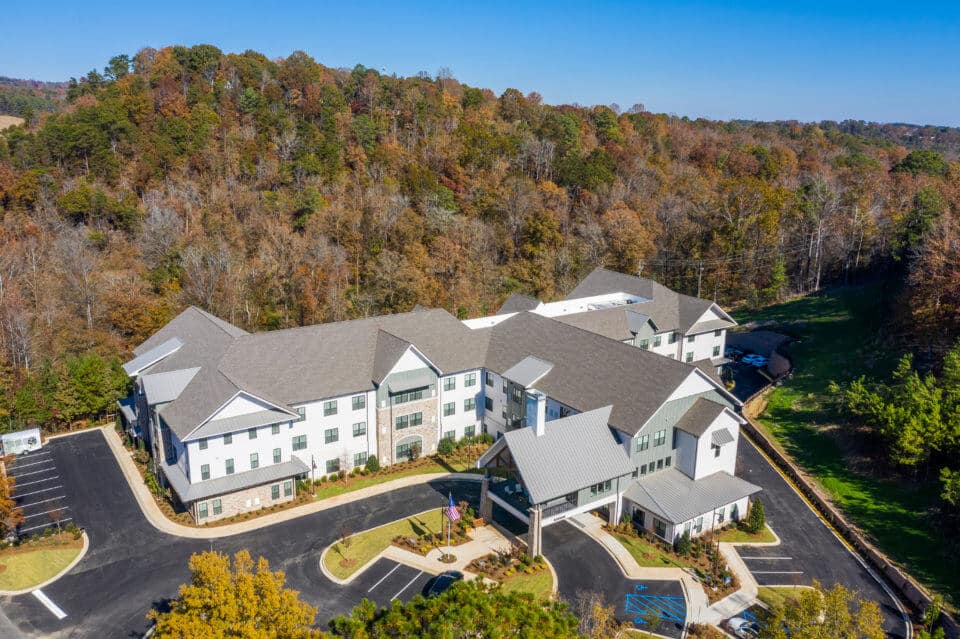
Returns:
(21, 442)
(743, 628)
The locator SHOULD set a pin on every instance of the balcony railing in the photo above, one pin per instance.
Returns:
(556, 509)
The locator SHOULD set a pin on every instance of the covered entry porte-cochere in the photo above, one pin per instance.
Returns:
(542, 475)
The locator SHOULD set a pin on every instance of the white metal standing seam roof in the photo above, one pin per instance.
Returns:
(676, 498)
(161, 388)
(573, 453)
(527, 371)
(152, 356)
(721, 437)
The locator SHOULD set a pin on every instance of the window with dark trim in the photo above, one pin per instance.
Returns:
(331, 435)
(470, 379)
(360, 429)
(330, 408)
(359, 401)
(449, 383)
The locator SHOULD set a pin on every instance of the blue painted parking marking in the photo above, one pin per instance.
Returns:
(749, 616)
(666, 607)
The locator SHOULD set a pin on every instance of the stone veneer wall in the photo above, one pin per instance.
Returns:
(388, 435)
(236, 503)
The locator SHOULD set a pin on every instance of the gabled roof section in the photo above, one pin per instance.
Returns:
(700, 416)
(237, 423)
(617, 322)
(191, 322)
(161, 388)
(601, 281)
(527, 371)
(388, 351)
(517, 302)
(573, 453)
(676, 498)
(151, 356)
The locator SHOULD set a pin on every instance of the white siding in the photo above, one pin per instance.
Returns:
(694, 384)
(686, 453)
(411, 360)
(702, 345)
(707, 460)
(242, 404)
(461, 418)
(493, 418)
(315, 425)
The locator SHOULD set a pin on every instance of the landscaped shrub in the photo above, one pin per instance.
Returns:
(757, 517)
(683, 545)
(373, 464)
(152, 484)
(445, 447)
(333, 477)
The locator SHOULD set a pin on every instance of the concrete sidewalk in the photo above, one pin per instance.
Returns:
(159, 521)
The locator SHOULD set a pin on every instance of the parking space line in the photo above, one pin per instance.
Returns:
(768, 558)
(36, 463)
(777, 572)
(36, 472)
(37, 503)
(410, 583)
(383, 578)
(37, 481)
(52, 607)
(37, 492)
(62, 521)
(46, 512)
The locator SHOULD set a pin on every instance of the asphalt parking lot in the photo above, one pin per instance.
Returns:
(388, 580)
(808, 550)
(39, 492)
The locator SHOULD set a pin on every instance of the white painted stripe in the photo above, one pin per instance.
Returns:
(382, 578)
(770, 558)
(410, 583)
(37, 481)
(52, 607)
(46, 512)
(37, 503)
(62, 521)
(777, 572)
(37, 492)
(35, 472)
(36, 463)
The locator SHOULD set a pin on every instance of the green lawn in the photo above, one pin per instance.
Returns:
(838, 341)
(342, 561)
(539, 583)
(737, 535)
(778, 596)
(431, 465)
(647, 554)
(23, 569)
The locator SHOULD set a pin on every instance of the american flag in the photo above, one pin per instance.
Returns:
(451, 511)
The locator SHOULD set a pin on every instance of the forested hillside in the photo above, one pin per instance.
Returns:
(279, 193)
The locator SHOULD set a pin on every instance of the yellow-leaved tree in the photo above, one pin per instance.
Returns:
(238, 599)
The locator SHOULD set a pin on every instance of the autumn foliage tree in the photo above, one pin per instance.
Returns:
(10, 515)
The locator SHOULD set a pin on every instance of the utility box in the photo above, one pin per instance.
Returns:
(20, 442)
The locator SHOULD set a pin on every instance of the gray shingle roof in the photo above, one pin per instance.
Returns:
(573, 453)
(527, 371)
(675, 498)
(517, 302)
(216, 427)
(222, 485)
(699, 416)
(617, 322)
(389, 349)
(590, 371)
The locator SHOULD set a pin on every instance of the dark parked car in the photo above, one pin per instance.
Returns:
(443, 581)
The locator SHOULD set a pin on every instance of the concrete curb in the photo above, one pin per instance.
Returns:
(758, 544)
(159, 521)
(69, 567)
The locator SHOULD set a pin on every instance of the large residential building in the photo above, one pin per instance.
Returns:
(600, 400)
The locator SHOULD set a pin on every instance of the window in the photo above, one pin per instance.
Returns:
(202, 510)
(645, 344)
(504, 389)
(716, 450)
(602, 487)
(217, 506)
(716, 351)
(359, 459)
(203, 443)
(288, 488)
(490, 379)
(666, 462)
(657, 339)
(698, 525)
(450, 383)
(331, 435)
(276, 455)
(275, 491)
(405, 451)
(449, 409)
(302, 412)
(410, 396)
(517, 394)
(660, 528)
(659, 437)
(721, 514)
(360, 429)
(643, 469)
(673, 338)
(717, 333)
(416, 419)
(275, 429)
(659, 464)
(227, 439)
(333, 465)
(252, 433)
(229, 465)
(358, 402)
(299, 442)
(689, 357)
(402, 421)
(470, 379)
(487, 404)
(469, 431)
(450, 434)
(254, 460)
(205, 471)
(690, 339)
(644, 442)
(330, 408)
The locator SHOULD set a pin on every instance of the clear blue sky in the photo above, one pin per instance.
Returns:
(881, 61)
